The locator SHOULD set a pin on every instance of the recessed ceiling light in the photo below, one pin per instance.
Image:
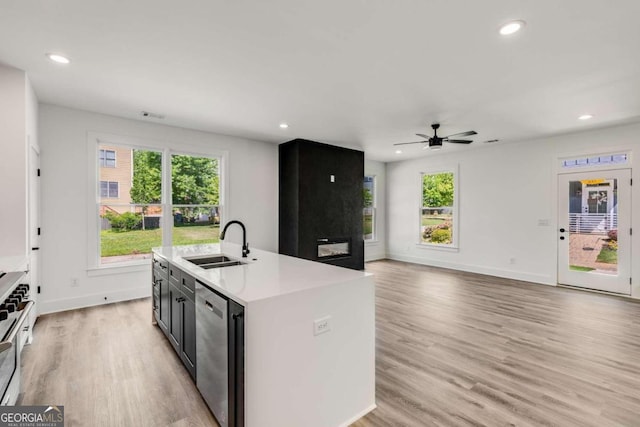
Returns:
(511, 27)
(58, 58)
(585, 117)
(283, 125)
(398, 151)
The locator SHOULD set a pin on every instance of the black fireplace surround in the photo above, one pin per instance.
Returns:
(321, 203)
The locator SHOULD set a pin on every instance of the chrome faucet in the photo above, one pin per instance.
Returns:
(245, 245)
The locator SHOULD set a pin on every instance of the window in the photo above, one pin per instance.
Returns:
(109, 189)
(195, 197)
(438, 209)
(107, 158)
(596, 160)
(132, 202)
(369, 213)
(130, 208)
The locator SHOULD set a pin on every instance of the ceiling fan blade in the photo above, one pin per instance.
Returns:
(459, 141)
(421, 135)
(407, 143)
(467, 133)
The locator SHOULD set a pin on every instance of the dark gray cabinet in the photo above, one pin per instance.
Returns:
(174, 309)
(188, 324)
(175, 296)
(160, 277)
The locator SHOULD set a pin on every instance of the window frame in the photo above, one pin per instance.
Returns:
(374, 231)
(166, 148)
(454, 245)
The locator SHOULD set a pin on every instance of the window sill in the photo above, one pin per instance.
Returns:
(120, 268)
(438, 247)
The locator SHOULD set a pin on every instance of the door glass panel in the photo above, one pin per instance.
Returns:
(593, 226)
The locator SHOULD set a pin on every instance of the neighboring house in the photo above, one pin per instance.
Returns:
(116, 170)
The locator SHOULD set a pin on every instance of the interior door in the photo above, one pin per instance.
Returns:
(594, 233)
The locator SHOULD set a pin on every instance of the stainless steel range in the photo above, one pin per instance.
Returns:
(14, 330)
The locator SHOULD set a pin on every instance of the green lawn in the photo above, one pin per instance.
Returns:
(609, 256)
(368, 224)
(434, 220)
(141, 241)
(580, 268)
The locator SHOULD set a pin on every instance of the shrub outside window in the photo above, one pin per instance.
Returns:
(438, 209)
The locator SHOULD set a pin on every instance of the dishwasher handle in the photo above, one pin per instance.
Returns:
(213, 309)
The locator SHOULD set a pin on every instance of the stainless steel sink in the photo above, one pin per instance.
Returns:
(214, 261)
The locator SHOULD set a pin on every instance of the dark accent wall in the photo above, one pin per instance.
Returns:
(312, 207)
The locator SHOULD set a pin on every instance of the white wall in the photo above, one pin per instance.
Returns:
(504, 190)
(253, 199)
(13, 170)
(376, 249)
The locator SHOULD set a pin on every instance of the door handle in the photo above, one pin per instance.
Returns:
(35, 249)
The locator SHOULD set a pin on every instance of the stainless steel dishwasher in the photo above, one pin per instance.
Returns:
(220, 355)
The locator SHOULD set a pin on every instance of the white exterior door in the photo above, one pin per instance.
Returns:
(594, 233)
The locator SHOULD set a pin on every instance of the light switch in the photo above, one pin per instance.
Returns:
(333, 178)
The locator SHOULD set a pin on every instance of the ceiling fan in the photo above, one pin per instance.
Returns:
(435, 142)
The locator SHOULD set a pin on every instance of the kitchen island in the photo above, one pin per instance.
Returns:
(309, 334)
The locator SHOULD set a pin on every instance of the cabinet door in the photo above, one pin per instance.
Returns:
(165, 302)
(175, 324)
(188, 353)
(236, 364)
(155, 294)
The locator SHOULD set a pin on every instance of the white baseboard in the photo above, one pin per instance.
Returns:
(63, 304)
(360, 415)
(541, 279)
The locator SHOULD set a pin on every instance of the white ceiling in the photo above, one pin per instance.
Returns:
(360, 73)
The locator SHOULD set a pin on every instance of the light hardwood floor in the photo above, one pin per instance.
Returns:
(452, 349)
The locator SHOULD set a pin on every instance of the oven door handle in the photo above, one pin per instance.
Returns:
(6, 344)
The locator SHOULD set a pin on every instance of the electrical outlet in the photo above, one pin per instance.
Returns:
(75, 282)
(320, 326)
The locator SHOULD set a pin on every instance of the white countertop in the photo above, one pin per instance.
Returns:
(266, 274)
(14, 263)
